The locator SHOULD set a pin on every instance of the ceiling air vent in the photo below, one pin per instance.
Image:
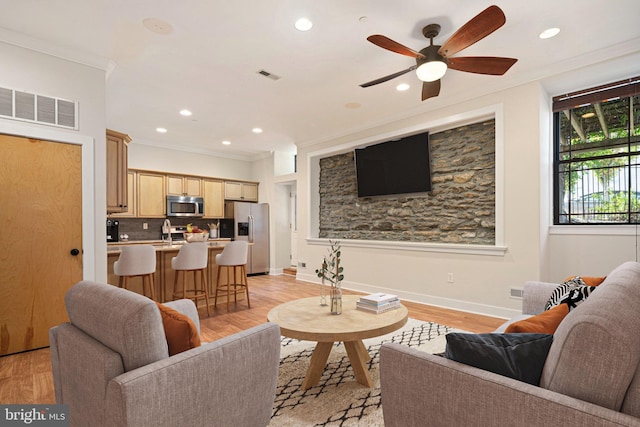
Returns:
(269, 75)
(30, 107)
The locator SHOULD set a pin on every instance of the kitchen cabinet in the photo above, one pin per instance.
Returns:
(132, 193)
(245, 191)
(151, 195)
(117, 168)
(213, 193)
(184, 185)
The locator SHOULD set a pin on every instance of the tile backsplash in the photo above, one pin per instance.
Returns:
(134, 227)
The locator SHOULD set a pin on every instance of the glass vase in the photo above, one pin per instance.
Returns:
(336, 298)
(323, 294)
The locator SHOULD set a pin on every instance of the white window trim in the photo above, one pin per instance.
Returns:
(595, 230)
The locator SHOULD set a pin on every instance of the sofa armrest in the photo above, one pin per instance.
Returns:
(186, 307)
(420, 389)
(229, 382)
(535, 296)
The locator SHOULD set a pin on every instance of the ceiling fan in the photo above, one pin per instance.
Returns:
(432, 61)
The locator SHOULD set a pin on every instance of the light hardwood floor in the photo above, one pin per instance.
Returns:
(26, 377)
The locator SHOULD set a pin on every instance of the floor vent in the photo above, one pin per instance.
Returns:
(31, 107)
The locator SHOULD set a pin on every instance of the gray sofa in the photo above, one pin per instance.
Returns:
(591, 375)
(112, 367)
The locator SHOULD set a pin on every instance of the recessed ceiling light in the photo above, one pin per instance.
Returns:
(226, 142)
(185, 113)
(303, 24)
(402, 87)
(256, 130)
(549, 32)
(161, 130)
(158, 26)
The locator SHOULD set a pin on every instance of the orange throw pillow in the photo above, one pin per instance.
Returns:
(179, 329)
(544, 323)
(589, 281)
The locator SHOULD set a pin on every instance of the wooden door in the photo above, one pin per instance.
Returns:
(250, 191)
(41, 223)
(233, 190)
(213, 198)
(151, 195)
(174, 185)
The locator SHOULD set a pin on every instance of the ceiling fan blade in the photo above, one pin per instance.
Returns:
(483, 24)
(389, 77)
(430, 89)
(386, 43)
(481, 64)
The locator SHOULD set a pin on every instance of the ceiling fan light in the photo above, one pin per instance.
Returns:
(431, 71)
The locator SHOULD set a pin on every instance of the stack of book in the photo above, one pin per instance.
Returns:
(378, 303)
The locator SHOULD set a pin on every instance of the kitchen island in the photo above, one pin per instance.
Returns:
(164, 275)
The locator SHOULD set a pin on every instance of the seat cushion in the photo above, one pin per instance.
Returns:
(179, 329)
(124, 321)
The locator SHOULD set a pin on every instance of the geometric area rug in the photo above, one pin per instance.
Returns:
(337, 399)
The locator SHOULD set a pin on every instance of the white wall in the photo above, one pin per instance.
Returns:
(146, 156)
(481, 282)
(35, 72)
(590, 252)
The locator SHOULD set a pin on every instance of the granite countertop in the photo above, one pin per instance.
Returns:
(161, 246)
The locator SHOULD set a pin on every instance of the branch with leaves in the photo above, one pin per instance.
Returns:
(331, 270)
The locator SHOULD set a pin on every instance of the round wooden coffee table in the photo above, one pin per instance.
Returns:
(305, 319)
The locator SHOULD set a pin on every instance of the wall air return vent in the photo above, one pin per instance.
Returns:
(30, 107)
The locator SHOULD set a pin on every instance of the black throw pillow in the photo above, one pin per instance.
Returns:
(520, 356)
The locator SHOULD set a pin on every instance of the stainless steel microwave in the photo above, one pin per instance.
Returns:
(185, 206)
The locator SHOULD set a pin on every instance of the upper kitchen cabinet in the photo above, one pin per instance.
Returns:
(245, 191)
(179, 185)
(151, 195)
(213, 193)
(132, 195)
(117, 168)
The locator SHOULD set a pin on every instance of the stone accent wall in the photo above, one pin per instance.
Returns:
(459, 209)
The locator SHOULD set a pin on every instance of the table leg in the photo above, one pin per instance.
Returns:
(358, 356)
(317, 364)
(363, 351)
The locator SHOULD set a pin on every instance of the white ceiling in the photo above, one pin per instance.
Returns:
(209, 64)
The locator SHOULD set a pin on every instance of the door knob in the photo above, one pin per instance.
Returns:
(75, 252)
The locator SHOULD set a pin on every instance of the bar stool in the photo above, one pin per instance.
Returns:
(136, 261)
(233, 257)
(191, 257)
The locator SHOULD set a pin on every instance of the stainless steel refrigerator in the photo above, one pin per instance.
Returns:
(251, 223)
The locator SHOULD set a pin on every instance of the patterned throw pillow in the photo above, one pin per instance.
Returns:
(572, 292)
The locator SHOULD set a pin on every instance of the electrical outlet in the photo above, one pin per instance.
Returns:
(449, 277)
(145, 225)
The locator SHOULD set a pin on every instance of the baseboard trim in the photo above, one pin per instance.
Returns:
(454, 304)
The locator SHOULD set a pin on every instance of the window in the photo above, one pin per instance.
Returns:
(597, 155)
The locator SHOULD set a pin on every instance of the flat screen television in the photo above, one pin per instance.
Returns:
(395, 167)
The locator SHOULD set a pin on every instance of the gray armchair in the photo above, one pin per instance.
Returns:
(112, 367)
